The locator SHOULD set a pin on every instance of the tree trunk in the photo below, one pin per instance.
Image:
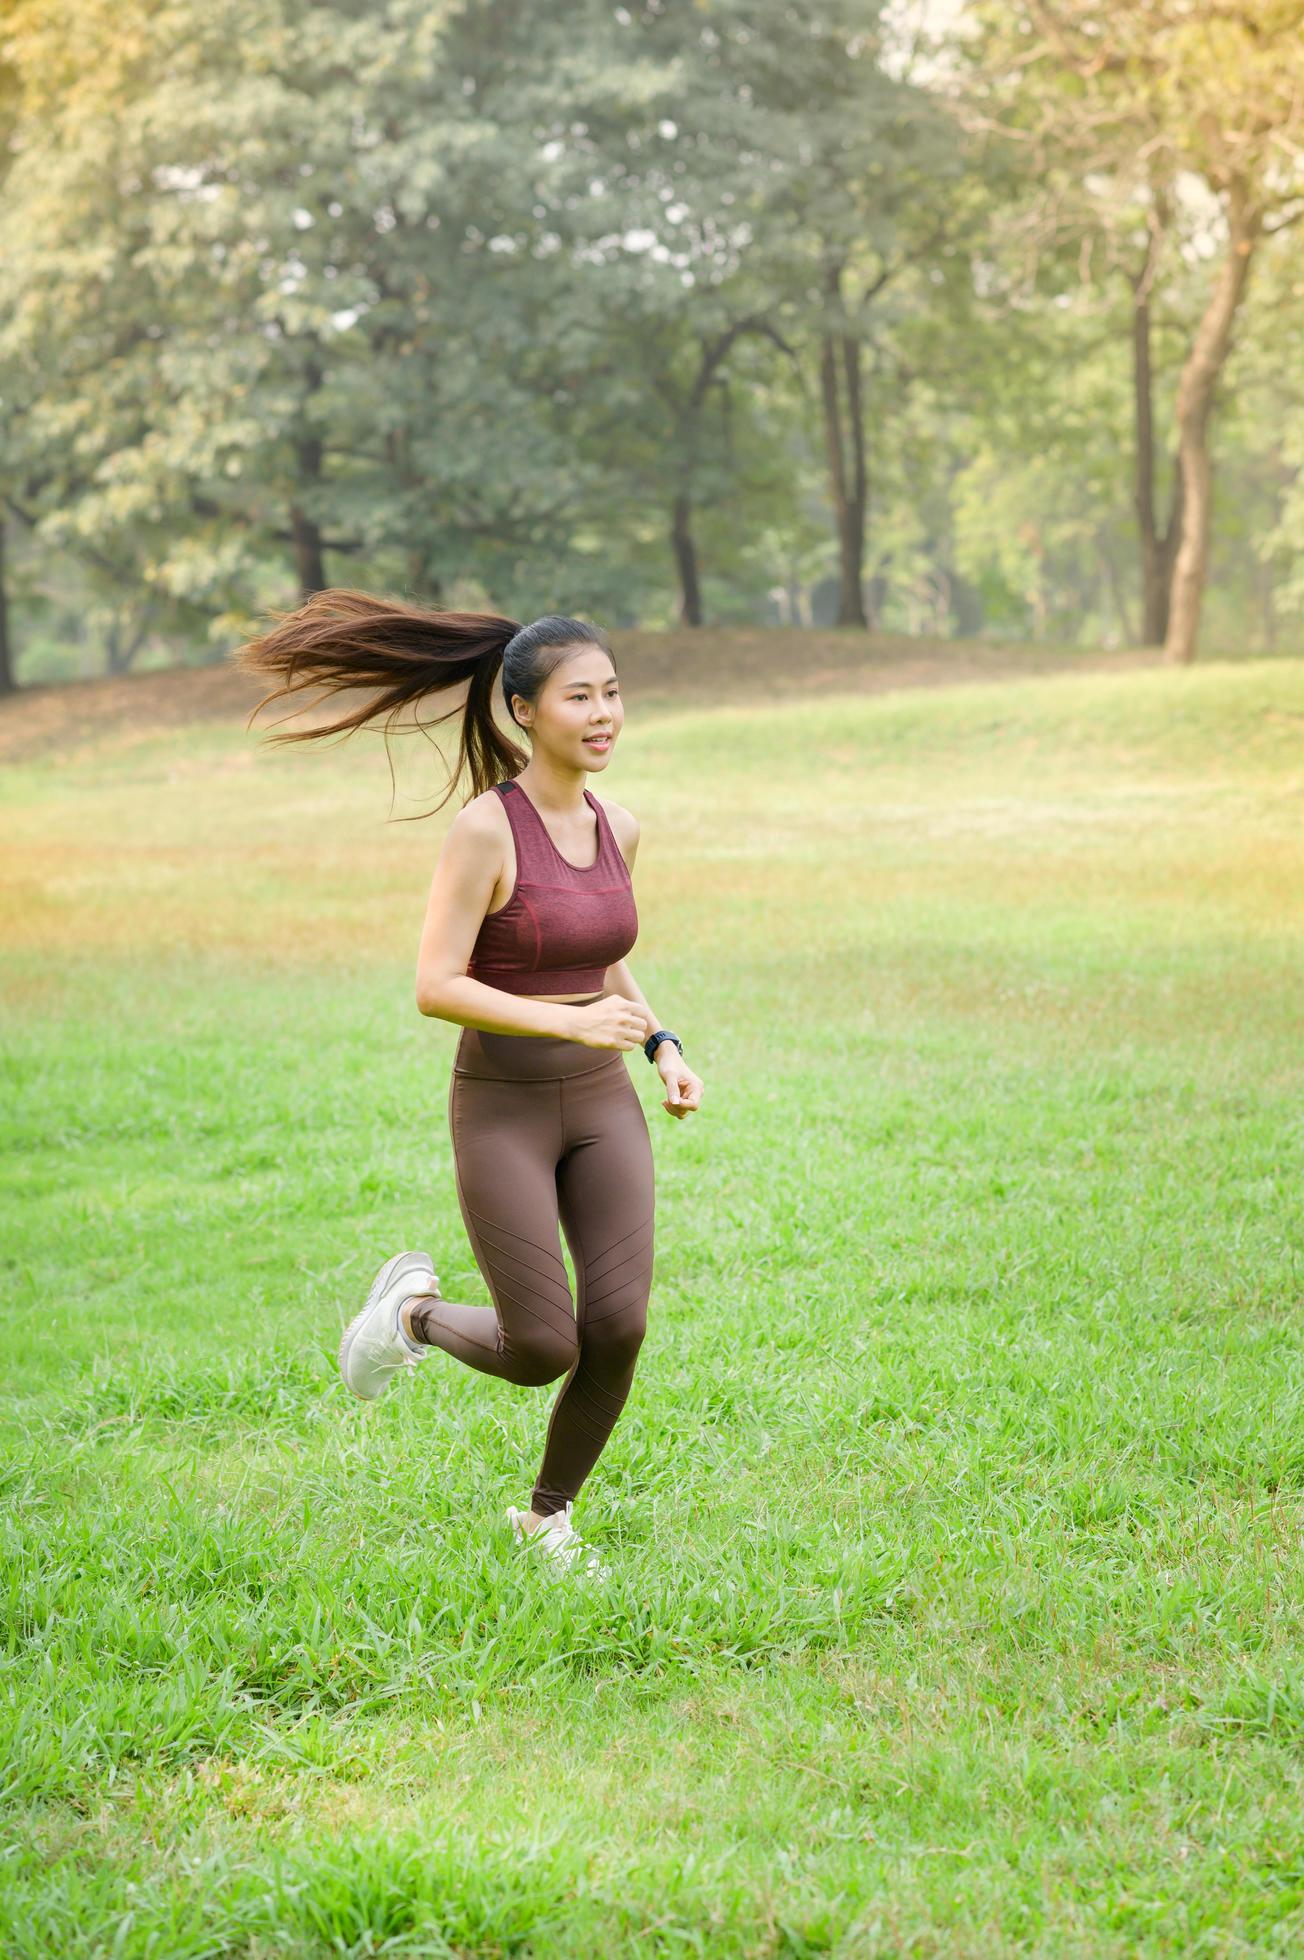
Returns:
(688, 419)
(422, 581)
(121, 648)
(1204, 364)
(8, 685)
(1157, 549)
(685, 549)
(309, 556)
(848, 500)
(858, 502)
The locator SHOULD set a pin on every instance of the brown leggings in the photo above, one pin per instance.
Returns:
(544, 1131)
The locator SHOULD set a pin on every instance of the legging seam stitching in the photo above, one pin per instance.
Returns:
(594, 1413)
(620, 1307)
(617, 1243)
(607, 1291)
(544, 1279)
(484, 1346)
(618, 1263)
(527, 1308)
(590, 1394)
(494, 1226)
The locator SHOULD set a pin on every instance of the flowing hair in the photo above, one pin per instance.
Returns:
(340, 640)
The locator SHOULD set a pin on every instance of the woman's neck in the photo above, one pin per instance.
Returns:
(554, 786)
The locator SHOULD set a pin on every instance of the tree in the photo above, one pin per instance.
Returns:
(10, 109)
(1173, 111)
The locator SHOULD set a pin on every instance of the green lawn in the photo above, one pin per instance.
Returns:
(955, 1514)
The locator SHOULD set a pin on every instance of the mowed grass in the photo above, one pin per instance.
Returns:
(955, 1514)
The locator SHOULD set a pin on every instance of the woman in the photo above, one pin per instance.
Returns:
(530, 917)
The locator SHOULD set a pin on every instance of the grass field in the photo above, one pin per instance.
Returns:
(955, 1514)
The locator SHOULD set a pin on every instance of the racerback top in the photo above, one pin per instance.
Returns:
(564, 923)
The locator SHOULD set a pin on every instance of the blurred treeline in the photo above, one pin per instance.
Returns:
(942, 319)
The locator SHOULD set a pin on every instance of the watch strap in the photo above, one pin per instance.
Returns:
(653, 1041)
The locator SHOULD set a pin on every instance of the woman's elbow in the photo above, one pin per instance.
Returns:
(432, 997)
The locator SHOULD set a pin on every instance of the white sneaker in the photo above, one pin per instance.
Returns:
(373, 1347)
(559, 1540)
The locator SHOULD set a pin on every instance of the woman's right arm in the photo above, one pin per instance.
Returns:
(460, 890)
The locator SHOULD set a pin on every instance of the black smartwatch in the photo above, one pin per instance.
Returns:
(662, 1034)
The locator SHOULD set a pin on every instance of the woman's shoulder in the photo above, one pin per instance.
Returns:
(624, 824)
(483, 810)
(482, 819)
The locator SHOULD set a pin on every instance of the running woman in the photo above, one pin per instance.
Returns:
(528, 924)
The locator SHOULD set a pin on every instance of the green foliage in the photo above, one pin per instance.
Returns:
(469, 301)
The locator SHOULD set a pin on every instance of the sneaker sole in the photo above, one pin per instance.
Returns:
(401, 1262)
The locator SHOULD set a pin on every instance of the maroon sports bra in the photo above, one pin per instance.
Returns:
(564, 923)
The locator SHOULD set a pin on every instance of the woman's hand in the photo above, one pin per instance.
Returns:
(683, 1088)
(612, 1022)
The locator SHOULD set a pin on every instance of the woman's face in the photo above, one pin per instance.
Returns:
(578, 712)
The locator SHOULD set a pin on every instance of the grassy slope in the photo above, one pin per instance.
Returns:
(956, 1509)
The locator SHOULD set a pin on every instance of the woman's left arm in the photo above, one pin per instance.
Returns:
(683, 1087)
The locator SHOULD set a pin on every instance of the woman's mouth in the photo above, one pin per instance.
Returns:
(600, 742)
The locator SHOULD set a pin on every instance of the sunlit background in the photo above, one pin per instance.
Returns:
(943, 320)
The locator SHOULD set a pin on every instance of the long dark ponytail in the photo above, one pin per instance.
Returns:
(341, 639)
